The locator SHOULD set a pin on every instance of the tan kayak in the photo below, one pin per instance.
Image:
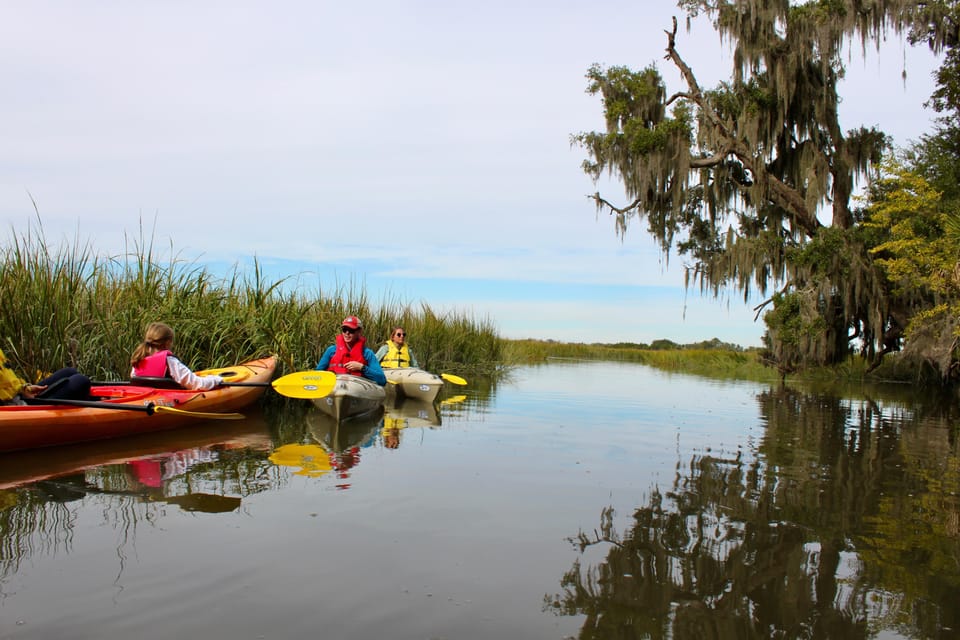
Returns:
(413, 383)
(352, 396)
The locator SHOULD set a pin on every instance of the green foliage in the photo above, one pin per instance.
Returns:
(820, 11)
(627, 95)
(70, 307)
(642, 139)
(917, 246)
(915, 253)
(794, 327)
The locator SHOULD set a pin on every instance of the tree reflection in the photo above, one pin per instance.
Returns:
(842, 524)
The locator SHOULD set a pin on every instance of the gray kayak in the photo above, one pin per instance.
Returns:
(352, 396)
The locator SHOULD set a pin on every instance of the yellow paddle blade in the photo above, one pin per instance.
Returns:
(449, 377)
(306, 384)
(159, 408)
(311, 459)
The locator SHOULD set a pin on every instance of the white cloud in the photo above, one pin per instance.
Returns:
(324, 132)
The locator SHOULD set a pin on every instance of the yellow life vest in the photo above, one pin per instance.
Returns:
(396, 358)
(10, 382)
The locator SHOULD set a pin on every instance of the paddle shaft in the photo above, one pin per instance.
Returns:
(146, 383)
(449, 377)
(310, 384)
(149, 408)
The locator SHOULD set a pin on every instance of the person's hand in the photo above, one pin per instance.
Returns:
(32, 390)
(353, 366)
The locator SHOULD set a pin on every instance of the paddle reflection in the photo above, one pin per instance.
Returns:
(310, 460)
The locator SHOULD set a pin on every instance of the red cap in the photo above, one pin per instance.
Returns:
(352, 322)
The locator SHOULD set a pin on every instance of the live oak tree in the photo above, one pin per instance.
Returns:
(751, 181)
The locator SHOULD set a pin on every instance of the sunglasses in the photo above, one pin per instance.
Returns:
(400, 335)
(348, 330)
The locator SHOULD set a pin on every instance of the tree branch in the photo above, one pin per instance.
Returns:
(709, 161)
(601, 203)
(760, 307)
(783, 195)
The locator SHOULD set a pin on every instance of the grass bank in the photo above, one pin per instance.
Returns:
(67, 305)
(712, 359)
(727, 361)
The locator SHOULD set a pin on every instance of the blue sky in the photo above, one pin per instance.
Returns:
(421, 148)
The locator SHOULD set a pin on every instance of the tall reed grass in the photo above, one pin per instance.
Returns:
(66, 305)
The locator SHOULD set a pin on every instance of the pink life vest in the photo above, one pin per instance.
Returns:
(153, 366)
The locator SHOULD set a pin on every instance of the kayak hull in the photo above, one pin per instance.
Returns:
(413, 383)
(119, 414)
(411, 413)
(339, 436)
(25, 467)
(352, 396)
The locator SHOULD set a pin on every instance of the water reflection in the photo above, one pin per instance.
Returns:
(332, 446)
(729, 511)
(310, 460)
(843, 525)
(344, 440)
(171, 453)
(206, 468)
(345, 435)
(406, 414)
(124, 496)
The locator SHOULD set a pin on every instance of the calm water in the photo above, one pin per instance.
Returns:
(574, 500)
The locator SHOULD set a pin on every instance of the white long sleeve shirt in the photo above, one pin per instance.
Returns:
(186, 378)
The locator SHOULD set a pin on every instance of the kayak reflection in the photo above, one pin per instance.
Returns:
(336, 446)
(70, 488)
(404, 414)
(340, 436)
(191, 478)
(344, 439)
(169, 454)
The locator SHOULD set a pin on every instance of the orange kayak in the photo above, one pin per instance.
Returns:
(123, 410)
(20, 468)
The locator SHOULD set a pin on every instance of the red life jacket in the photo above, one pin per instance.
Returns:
(153, 366)
(343, 355)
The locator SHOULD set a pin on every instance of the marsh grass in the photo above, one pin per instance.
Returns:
(724, 362)
(65, 305)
